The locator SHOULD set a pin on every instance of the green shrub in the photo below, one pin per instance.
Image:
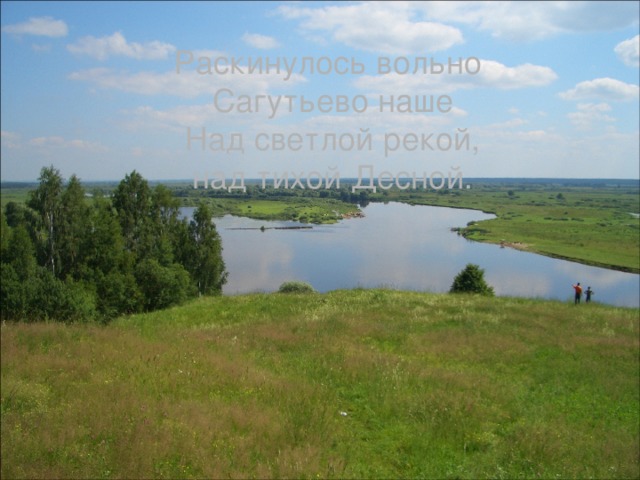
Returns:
(162, 286)
(471, 280)
(62, 300)
(296, 287)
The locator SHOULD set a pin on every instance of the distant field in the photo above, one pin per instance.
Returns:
(14, 194)
(349, 384)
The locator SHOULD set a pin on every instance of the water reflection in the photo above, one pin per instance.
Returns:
(404, 247)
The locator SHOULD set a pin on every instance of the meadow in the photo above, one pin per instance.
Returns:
(348, 384)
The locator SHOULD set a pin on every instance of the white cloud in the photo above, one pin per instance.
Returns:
(629, 51)
(196, 116)
(262, 42)
(187, 84)
(117, 45)
(382, 122)
(414, 27)
(590, 114)
(534, 20)
(174, 119)
(518, 152)
(56, 142)
(603, 88)
(376, 26)
(492, 75)
(497, 75)
(41, 26)
(9, 139)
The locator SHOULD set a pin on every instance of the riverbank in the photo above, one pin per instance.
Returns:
(610, 240)
(349, 384)
(592, 225)
(589, 225)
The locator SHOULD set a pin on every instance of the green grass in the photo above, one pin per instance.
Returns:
(305, 210)
(14, 194)
(349, 384)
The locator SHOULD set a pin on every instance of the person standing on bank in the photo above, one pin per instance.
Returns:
(578, 290)
(587, 294)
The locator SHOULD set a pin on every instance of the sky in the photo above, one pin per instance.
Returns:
(99, 89)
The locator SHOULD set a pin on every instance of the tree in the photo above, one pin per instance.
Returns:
(5, 231)
(17, 273)
(14, 214)
(132, 201)
(46, 200)
(204, 254)
(63, 259)
(103, 244)
(52, 298)
(117, 293)
(161, 286)
(164, 207)
(363, 198)
(107, 265)
(471, 280)
(72, 227)
(165, 210)
(21, 254)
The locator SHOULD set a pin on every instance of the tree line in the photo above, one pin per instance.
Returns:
(65, 258)
(269, 192)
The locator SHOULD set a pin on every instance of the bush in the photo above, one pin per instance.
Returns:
(161, 286)
(53, 299)
(118, 293)
(42, 296)
(296, 287)
(14, 299)
(471, 280)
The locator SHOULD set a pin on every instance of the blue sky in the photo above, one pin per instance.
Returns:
(92, 88)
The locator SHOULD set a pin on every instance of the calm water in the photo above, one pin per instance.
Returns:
(403, 247)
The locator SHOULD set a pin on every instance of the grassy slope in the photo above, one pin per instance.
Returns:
(254, 386)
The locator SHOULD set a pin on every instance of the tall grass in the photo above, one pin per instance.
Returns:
(349, 384)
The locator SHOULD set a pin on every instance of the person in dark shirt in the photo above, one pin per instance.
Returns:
(588, 292)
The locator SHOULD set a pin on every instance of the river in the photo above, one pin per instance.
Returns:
(403, 247)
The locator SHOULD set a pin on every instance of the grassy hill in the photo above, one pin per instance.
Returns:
(360, 384)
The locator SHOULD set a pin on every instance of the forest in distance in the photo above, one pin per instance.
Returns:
(97, 250)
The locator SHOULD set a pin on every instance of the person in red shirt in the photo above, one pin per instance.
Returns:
(578, 290)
